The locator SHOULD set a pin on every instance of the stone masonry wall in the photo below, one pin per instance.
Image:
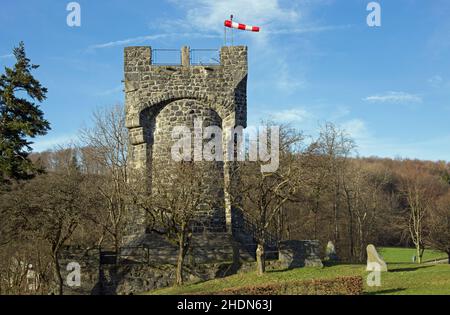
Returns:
(160, 97)
(184, 113)
(147, 268)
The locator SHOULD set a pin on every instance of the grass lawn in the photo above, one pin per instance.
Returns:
(404, 255)
(403, 277)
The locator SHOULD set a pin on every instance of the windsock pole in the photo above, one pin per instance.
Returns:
(224, 36)
(225, 32)
(231, 19)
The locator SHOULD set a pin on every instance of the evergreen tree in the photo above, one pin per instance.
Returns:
(20, 118)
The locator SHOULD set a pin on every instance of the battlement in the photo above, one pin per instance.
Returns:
(139, 57)
(222, 86)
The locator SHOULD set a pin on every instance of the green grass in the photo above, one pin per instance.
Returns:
(403, 277)
(404, 255)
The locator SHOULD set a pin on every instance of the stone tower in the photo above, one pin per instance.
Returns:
(160, 97)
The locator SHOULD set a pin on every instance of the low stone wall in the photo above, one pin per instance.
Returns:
(295, 254)
(89, 262)
(131, 278)
(136, 279)
(149, 263)
(212, 257)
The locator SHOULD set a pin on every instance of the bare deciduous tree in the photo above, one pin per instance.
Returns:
(51, 208)
(334, 146)
(362, 189)
(263, 195)
(180, 192)
(106, 147)
(439, 226)
(421, 191)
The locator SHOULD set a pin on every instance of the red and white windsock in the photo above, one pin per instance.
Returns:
(239, 26)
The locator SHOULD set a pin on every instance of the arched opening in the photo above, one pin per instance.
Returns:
(158, 122)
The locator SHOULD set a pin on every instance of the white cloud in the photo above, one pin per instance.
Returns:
(369, 144)
(435, 81)
(438, 81)
(210, 15)
(426, 149)
(394, 97)
(142, 39)
(270, 15)
(275, 18)
(50, 142)
(357, 129)
(292, 115)
(6, 56)
(115, 90)
(127, 41)
(287, 82)
(206, 16)
(305, 30)
(338, 112)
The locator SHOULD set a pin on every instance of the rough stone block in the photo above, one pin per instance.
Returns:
(294, 254)
(374, 261)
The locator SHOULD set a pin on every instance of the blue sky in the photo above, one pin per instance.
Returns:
(313, 61)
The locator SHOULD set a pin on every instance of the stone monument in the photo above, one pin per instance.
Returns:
(330, 252)
(295, 254)
(374, 260)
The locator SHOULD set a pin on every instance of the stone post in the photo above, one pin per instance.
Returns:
(185, 56)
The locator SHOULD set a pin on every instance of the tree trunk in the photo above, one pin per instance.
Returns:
(418, 256)
(116, 243)
(180, 261)
(260, 260)
(316, 215)
(336, 225)
(422, 250)
(448, 254)
(352, 242)
(58, 275)
(316, 219)
(361, 241)
(336, 215)
(350, 228)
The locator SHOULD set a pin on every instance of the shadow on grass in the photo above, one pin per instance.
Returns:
(410, 269)
(388, 291)
(329, 263)
(412, 263)
(278, 270)
(399, 263)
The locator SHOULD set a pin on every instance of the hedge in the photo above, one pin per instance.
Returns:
(337, 286)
